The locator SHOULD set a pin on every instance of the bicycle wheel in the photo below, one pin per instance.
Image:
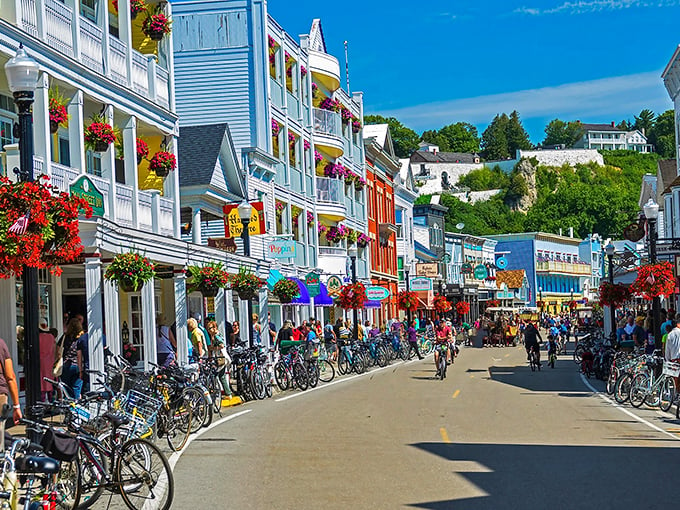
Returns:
(66, 486)
(344, 366)
(267, 379)
(145, 477)
(215, 389)
(326, 371)
(281, 376)
(178, 425)
(257, 384)
(578, 353)
(622, 388)
(313, 374)
(300, 376)
(611, 380)
(381, 359)
(90, 479)
(638, 390)
(442, 366)
(666, 394)
(199, 407)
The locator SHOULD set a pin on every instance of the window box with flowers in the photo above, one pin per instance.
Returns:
(208, 279)
(407, 300)
(286, 290)
(163, 163)
(130, 271)
(336, 234)
(335, 171)
(156, 25)
(58, 113)
(245, 283)
(310, 219)
(352, 296)
(330, 105)
(363, 240)
(356, 125)
(136, 7)
(99, 134)
(493, 303)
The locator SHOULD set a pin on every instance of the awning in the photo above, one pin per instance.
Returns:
(372, 304)
(323, 299)
(303, 298)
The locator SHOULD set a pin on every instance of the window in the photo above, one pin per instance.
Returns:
(64, 152)
(6, 137)
(88, 9)
(93, 163)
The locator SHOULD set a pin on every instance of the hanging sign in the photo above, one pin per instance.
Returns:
(501, 263)
(429, 269)
(281, 249)
(376, 293)
(84, 188)
(481, 272)
(418, 284)
(333, 285)
(232, 222)
(313, 284)
(466, 268)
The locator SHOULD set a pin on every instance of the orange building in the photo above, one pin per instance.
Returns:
(381, 167)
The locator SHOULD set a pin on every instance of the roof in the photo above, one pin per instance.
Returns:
(198, 148)
(377, 131)
(512, 278)
(668, 169)
(443, 157)
(601, 127)
(424, 253)
(675, 182)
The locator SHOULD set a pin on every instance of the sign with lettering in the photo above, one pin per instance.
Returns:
(466, 268)
(481, 272)
(223, 243)
(232, 222)
(430, 269)
(313, 284)
(281, 249)
(84, 188)
(376, 293)
(418, 284)
(334, 284)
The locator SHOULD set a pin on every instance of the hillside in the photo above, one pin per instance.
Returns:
(590, 198)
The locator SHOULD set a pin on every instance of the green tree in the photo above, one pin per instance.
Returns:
(559, 132)
(518, 138)
(405, 140)
(485, 178)
(662, 134)
(433, 136)
(460, 137)
(495, 139)
(644, 121)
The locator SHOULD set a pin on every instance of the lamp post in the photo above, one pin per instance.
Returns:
(571, 298)
(540, 296)
(407, 270)
(609, 250)
(244, 211)
(22, 77)
(651, 209)
(353, 257)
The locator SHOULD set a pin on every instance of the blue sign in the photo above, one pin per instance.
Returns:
(281, 249)
(501, 263)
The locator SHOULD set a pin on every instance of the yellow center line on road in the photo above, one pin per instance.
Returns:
(445, 436)
(456, 393)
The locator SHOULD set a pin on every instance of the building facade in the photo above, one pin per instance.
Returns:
(405, 195)
(608, 137)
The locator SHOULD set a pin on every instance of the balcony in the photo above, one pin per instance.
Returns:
(330, 195)
(325, 69)
(333, 259)
(276, 92)
(328, 131)
(87, 46)
(552, 266)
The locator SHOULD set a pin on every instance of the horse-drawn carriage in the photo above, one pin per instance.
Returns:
(501, 326)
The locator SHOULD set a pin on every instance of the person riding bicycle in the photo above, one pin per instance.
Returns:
(443, 337)
(552, 350)
(531, 336)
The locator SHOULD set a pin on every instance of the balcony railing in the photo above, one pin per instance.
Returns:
(330, 190)
(58, 18)
(335, 251)
(327, 122)
(563, 267)
(91, 45)
(118, 60)
(276, 92)
(293, 106)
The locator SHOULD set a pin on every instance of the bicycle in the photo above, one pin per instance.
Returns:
(652, 390)
(533, 359)
(441, 361)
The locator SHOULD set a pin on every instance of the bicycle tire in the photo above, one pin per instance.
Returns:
(281, 376)
(442, 366)
(611, 380)
(136, 465)
(622, 388)
(381, 359)
(326, 371)
(215, 389)
(267, 381)
(666, 394)
(199, 407)
(638, 390)
(359, 363)
(313, 374)
(90, 487)
(578, 353)
(67, 486)
(344, 366)
(180, 426)
(206, 397)
(300, 376)
(257, 385)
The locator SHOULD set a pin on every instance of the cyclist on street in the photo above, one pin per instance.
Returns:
(444, 335)
(531, 336)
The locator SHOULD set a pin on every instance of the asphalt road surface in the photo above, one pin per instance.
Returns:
(492, 435)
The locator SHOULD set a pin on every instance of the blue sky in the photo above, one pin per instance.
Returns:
(436, 62)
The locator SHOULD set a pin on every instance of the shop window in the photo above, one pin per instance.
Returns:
(93, 163)
(64, 152)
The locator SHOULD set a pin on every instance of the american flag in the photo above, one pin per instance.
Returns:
(19, 227)
(650, 279)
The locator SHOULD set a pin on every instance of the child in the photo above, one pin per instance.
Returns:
(552, 350)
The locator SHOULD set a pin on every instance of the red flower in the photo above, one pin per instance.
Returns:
(142, 148)
(352, 296)
(58, 112)
(462, 307)
(163, 161)
(156, 24)
(441, 304)
(654, 280)
(407, 300)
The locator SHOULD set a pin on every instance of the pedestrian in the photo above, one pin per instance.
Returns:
(8, 388)
(257, 330)
(47, 354)
(271, 327)
(330, 340)
(235, 334)
(285, 334)
(413, 340)
(73, 369)
(672, 349)
(197, 339)
(218, 351)
(166, 345)
(639, 334)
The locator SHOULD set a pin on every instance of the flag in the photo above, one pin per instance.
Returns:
(19, 227)
(650, 279)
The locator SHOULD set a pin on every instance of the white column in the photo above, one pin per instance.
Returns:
(58, 309)
(109, 168)
(76, 126)
(8, 315)
(676, 213)
(75, 29)
(130, 150)
(155, 211)
(103, 18)
(112, 317)
(182, 336)
(172, 183)
(40, 17)
(125, 33)
(42, 137)
(93, 292)
(149, 323)
(196, 226)
(220, 315)
(263, 302)
(244, 320)
(229, 299)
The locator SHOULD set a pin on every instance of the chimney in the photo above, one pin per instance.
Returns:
(613, 124)
(571, 231)
(560, 230)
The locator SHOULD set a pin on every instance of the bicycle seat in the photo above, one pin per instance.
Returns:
(31, 464)
(116, 419)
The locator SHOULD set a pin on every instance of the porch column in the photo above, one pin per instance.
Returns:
(181, 335)
(220, 315)
(155, 211)
(196, 226)
(112, 317)
(8, 317)
(229, 301)
(93, 292)
(125, 34)
(244, 321)
(42, 137)
(57, 319)
(109, 169)
(172, 184)
(76, 126)
(149, 323)
(130, 150)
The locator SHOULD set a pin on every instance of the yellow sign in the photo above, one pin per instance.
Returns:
(233, 227)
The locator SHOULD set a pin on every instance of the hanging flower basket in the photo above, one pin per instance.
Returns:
(363, 240)
(156, 25)
(318, 157)
(356, 125)
(99, 135)
(441, 304)
(407, 300)
(493, 303)
(330, 104)
(130, 271)
(136, 7)
(286, 290)
(462, 307)
(57, 110)
(613, 294)
(336, 171)
(208, 279)
(654, 280)
(163, 163)
(310, 219)
(245, 283)
(337, 234)
(276, 128)
(352, 296)
(142, 150)
(38, 226)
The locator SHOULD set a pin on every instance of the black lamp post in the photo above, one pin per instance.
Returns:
(22, 77)
(540, 297)
(651, 209)
(244, 211)
(408, 289)
(571, 298)
(353, 257)
(610, 250)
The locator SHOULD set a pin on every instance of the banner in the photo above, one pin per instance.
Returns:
(281, 249)
(232, 222)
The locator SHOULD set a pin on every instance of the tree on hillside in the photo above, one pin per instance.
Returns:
(518, 138)
(405, 140)
(485, 178)
(461, 137)
(559, 132)
(645, 121)
(662, 134)
(495, 139)
(433, 136)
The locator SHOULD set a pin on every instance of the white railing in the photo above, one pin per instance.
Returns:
(91, 45)
(293, 106)
(118, 60)
(58, 32)
(144, 210)
(104, 188)
(62, 176)
(29, 21)
(276, 92)
(296, 179)
(337, 251)
(38, 166)
(123, 204)
(140, 76)
(167, 216)
(330, 190)
(162, 92)
(327, 122)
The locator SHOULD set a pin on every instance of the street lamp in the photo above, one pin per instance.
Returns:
(407, 270)
(352, 252)
(651, 209)
(244, 211)
(22, 77)
(610, 249)
(540, 296)
(571, 298)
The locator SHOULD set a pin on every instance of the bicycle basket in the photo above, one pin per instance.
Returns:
(672, 369)
(88, 415)
(59, 445)
(141, 409)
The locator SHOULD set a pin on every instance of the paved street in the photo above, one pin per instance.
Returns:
(492, 435)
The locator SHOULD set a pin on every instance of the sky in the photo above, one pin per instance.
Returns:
(437, 62)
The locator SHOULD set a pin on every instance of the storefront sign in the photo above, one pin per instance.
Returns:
(313, 284)
(223, 243)
(377, 293)
(333, 285)
(501, 262)
(84, 188)
(232, 222)
(418, 284)
(466, 268)
(281, 249)
(481, 272)
(430, 269)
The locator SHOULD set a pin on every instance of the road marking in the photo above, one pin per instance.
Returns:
(626, 411)
(445, 436)
(507, 355)
(175, 456)
(456, 393)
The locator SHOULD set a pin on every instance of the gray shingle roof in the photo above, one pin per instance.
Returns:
(199, 148)
(601, 127)
(668, 170)
(443, 157)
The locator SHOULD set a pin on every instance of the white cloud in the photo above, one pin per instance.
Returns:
(601, 100)
(588, 6)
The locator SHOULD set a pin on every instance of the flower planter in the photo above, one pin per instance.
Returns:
(101, 146)
(54, 127)
(133, 15)
(246, 295)
(210, 292)
(130, 287)
(162, 172)
(139, 159)
(285, 299)
(156, 36)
